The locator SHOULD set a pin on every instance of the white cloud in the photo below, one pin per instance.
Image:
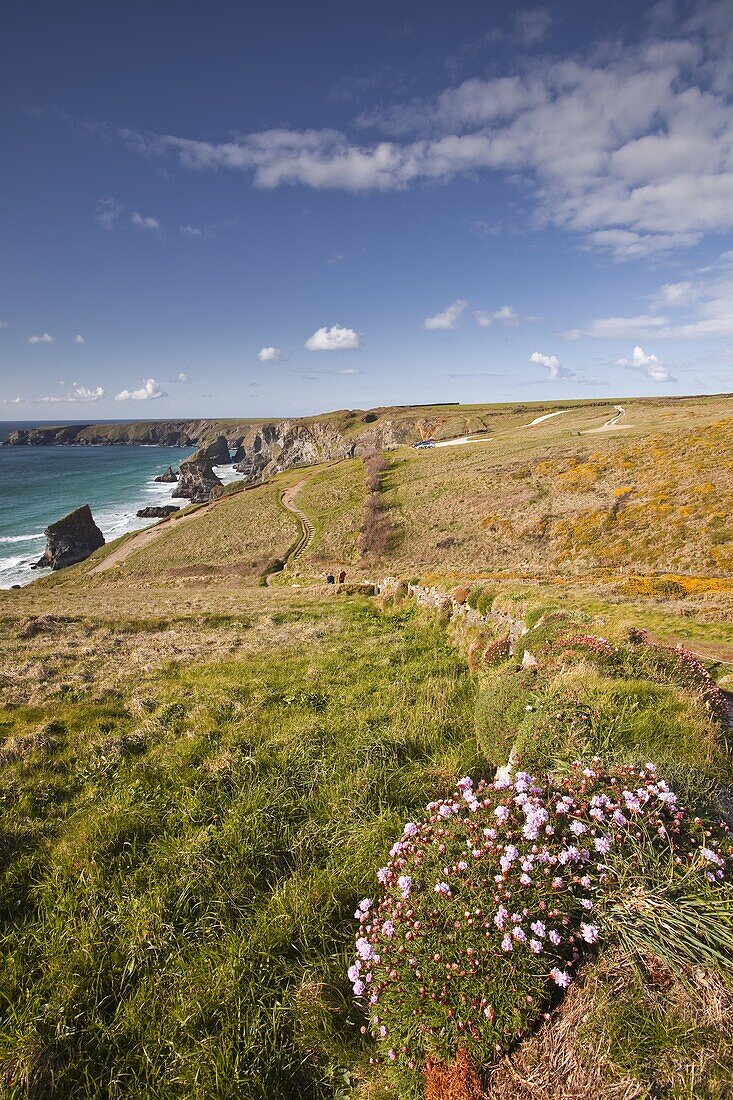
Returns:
(676, 295)
(620, 328)
(141, 222)
(450, 317)
(183, 378)
(45, 339)
(348, 370)
(630, 147)
(650, 364)
(79, 339)
(190, 231)
(482, 319)
(79, 393)
(107, 211)
(12, 401)
(558, 373)
(625, 245)
(334, 338)
(4, 324)
(532, 25)
(705, 309)
(149, 391)
(272, 355)
(508, 314)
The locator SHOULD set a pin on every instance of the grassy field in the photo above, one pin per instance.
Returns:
(184, 841)
(199, 776)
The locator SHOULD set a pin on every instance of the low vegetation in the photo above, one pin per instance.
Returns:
(200, 779)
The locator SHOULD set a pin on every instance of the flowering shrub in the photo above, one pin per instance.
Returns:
(597, 648)
(682, 667)
(487, 907)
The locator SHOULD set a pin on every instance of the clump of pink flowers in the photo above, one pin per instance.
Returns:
(487, 906)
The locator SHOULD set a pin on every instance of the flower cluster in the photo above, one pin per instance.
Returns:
(684, 668)
(589, 643)
(497, 651)
(487, 906)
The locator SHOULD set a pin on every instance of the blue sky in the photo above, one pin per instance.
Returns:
(281, 208)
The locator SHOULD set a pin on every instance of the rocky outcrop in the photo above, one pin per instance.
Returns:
(271, 448)
(158, 511)
(197, 478)
(218, 452)
(70, 540)
(169, 477)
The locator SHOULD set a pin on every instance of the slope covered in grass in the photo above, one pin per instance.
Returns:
(182, 850)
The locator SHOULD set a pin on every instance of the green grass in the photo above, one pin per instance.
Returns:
(180, 862)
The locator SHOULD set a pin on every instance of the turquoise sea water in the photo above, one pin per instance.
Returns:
(40, 484)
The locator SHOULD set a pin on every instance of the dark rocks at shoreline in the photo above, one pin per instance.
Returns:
(158, 511)
(170, 476)
(197, 478)
(70, 540)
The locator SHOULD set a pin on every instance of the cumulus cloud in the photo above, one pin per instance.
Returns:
(107, 212)
(482, 319)
(273, 354)
(45, 339)
(334, 338)
(450, 317)
(182, 378)
(558, 373)
(649, 364)
(79, 339)
(79, 393)
(140, 222)
(12, 401)
(190, 231)
(149, 391)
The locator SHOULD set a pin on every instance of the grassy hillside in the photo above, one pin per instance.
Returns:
(200, 776)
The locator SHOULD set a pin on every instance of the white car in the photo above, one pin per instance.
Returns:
(422, 444)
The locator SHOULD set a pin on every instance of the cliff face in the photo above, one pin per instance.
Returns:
(163, 433)
(268, 447)
(271, 448)
(70, 540)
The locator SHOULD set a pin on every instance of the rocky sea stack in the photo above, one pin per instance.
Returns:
(70, 540)
(169, 476)
(197, 478)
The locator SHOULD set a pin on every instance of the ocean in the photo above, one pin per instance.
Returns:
(39, 485)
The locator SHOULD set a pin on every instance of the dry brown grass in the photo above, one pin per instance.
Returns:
(574, 1055)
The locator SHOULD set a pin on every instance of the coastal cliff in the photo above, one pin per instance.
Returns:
(266, 447)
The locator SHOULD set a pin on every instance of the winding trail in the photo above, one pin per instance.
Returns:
(307, 530)
(541, 419)
(148, 535)
(611, 425)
